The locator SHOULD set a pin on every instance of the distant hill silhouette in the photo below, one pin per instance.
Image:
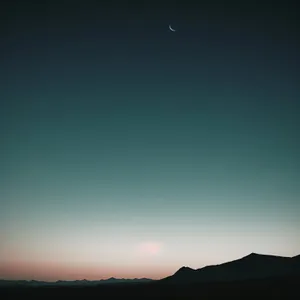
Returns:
(62, 283)
(252, 266)
(251, 277)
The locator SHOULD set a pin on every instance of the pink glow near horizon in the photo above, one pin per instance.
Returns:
(65, 257)
(49, 271)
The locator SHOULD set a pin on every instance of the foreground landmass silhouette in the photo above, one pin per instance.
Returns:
(255, 275)
(252, 266)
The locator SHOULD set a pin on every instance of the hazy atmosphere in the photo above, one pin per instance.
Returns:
(130, 150)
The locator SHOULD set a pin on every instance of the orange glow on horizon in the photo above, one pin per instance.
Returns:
(49, 271)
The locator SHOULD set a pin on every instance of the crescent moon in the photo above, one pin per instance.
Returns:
(171, 28)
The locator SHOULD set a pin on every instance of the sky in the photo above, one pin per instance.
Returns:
(129, 150)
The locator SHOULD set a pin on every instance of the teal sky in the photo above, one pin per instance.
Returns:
(133, 152)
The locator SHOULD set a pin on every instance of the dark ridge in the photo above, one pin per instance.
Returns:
(250, 267)
(297, 257)
(184, 270)
(253, 266)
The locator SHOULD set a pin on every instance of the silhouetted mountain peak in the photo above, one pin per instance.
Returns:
(184, 270)
(251, 266)
(255, 255)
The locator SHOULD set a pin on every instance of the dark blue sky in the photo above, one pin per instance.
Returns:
(122, 139)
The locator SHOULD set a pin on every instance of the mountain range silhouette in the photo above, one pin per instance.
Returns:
(251, 277)
(83, 282)
(252, 266)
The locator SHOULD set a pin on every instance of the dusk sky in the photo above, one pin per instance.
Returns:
(129, 150)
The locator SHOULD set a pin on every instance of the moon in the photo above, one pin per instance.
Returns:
(170, 27)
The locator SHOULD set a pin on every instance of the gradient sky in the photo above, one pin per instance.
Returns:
(128, 150)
